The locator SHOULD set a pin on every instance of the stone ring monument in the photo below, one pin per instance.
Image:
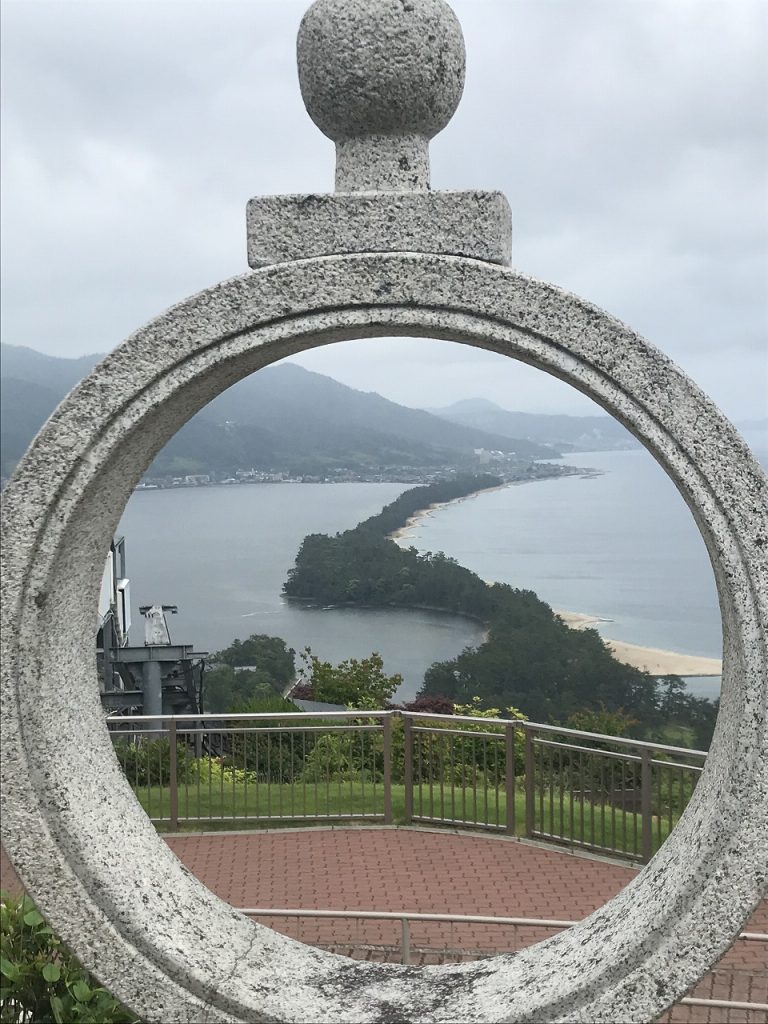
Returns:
(382, 256)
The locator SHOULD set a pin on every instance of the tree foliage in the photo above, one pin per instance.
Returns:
(396, 514)
(529, 656)
(255, 669)
(354, 683)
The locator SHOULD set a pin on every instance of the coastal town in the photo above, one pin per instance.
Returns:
(502, 464)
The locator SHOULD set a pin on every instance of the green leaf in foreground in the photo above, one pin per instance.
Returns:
(42, 979)
(11, 971)
(51, 973)
(82, 991)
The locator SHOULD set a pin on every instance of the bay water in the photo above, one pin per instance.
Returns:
(223, 553)
(620, 545)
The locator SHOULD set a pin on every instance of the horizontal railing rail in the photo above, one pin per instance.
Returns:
(400, 915)
(610, 794)
(406, 945)
(560, 730)
(249, 716)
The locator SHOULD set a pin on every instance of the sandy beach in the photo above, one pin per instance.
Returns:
(649, 659)
(398, 536)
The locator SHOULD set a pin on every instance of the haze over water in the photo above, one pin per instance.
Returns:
(622, 546)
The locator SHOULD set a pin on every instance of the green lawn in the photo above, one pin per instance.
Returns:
(223, 805)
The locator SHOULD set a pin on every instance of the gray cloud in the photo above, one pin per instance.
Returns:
(630, 137)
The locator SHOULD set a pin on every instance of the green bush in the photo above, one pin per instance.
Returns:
(147, 762)
(354, 683)
(41, 981)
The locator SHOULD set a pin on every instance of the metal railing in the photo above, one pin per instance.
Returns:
(605, 793)
(258, 767)
(431, 944)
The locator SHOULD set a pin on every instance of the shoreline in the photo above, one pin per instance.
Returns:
(654, 660)
(424, 513)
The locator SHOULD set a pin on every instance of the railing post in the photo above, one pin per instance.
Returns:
(386, 726)
(509, 776)
(405, 941)
(173, 780)
(646, 805)
(408, 769)
(530, 784)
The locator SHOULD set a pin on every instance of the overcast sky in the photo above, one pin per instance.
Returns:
(630, 137)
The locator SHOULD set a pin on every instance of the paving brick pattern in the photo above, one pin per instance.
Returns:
(436, 872)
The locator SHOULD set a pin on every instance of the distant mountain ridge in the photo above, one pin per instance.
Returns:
(567, 433)
(282, 418)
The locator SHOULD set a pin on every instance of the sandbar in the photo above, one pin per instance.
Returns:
(413, 521)
(649, 659)
(653, 660)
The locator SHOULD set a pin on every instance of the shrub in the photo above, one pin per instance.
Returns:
(41, 980)
(354, 683)
(147, 762)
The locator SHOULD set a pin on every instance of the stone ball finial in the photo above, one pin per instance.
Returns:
(380, 66)
(381, 70)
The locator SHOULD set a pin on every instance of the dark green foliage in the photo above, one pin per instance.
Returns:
(147, 761)
(265, 705)
(397, 513)
(679, 709)
(530, 657)
(607, 723)
(267, 755)
(533, 660)
(225, 687)
(361, 568)
(40, 980)
(271, 669)
(354, 683)
(436, 703)
(268, 653)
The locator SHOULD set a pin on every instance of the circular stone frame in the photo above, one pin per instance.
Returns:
(150, 931)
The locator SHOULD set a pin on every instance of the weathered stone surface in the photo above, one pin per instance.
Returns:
(380, 77)
(152, 933)
(388, 75)
(475, 224)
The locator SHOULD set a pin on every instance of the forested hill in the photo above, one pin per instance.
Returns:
(282, 419)
(530, 659)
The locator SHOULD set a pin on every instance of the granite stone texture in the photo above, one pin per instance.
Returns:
(382, 257)
(149, 930)
(474, 224)
(388, 74)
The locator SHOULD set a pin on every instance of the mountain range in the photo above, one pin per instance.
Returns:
(291, 420)
(567, 433)
(284, 418)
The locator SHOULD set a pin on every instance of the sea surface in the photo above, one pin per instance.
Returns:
(621, 545)
(223, 553)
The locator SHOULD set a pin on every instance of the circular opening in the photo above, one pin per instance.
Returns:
(121, 441)
(597, 526)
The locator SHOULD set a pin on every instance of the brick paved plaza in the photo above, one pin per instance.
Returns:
(408, 869)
